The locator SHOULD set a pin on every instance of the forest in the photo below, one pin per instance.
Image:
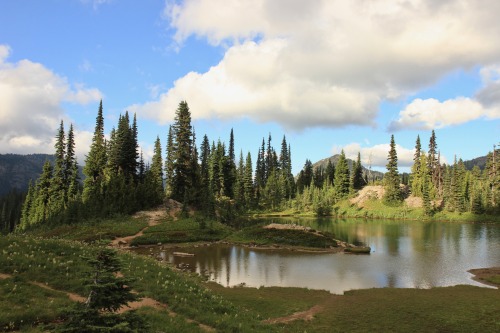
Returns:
(220, 186)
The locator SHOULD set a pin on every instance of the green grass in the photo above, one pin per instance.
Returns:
(451, 309)
(60, 264)
(263, 236)
(24, 306)
(94, 230)
(376, 209)
(183, 231)
(272, 302)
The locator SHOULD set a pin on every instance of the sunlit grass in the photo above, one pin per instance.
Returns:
(95, 229)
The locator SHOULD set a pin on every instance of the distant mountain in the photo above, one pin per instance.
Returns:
(17, 170)
(479, 161)
(335, 159)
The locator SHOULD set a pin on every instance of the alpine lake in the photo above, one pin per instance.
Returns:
(404, 254)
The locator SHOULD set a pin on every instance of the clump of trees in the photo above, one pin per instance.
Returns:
(116, 182)
(211, 179)
(453, 187)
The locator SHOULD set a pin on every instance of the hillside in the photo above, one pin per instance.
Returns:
(17, 170)
(335, 158)
(479, 161)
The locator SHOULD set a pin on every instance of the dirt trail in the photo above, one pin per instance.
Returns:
(171, 208)
(302, 315)
(153, 218)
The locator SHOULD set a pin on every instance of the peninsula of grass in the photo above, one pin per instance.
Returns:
(183, 230)
(257, 235)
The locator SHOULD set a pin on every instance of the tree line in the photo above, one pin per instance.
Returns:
(212, 180)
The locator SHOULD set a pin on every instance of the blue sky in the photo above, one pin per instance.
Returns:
(328, 74)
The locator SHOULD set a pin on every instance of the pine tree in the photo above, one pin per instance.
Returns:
(392, 191)
(71, 176)
(248, 180)
(342, 179)
(416, 175)
(41, 204)
(239, 188)
(108, 293)
(157, 170)
(26, 209)
(330, 172)
(183, 154)
(58, 182)
(357, 174)
(95, 164)
(169, 163)
(433, 162)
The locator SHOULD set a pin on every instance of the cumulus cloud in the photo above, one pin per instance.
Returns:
(322, 62)
(431, 113)
(376, 155)
(31, 110)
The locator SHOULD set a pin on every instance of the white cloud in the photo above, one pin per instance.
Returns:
(431, 113)
(31, 110)
(376, 155)
(323, 62)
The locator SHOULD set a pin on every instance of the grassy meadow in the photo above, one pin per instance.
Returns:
(55, 259)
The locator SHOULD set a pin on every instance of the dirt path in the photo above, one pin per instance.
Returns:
(171, 208)
(302, 315)
(480, 274)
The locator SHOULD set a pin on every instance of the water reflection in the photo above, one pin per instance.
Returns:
(405, 254)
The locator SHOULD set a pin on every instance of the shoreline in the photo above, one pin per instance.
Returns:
(481, 274)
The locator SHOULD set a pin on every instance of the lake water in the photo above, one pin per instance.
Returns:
(404, 255)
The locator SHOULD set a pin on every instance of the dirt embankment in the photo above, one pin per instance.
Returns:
(481, 274)
(368, 193)
(376, 192)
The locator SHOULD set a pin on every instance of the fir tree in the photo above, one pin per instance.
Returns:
(357, 174)
(249, 186)
(70, 166)
(342, 179)
(330, 173)
(108, 293)
(392, 191)
(169, 163)
(58, 183)
(183, 154)
(157, 170)
(416, 175)
(95, 163)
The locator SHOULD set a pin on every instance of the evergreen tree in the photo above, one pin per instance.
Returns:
(342, 179)
(58, 182)
(239, 188)
(169, 163)
(330, 173)
(357, 174)
(71, 176)
(27, 208)
(416, 175)
(249, 193)
(183, 154)
(108, 293)
(318, 177)
(41, 204)
(95, 164)
(157, 170)
(392, 191)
